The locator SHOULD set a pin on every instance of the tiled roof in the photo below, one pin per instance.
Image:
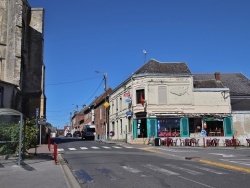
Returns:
(154, 66)
(237, 83)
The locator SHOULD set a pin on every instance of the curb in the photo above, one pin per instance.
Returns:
(231, 167)
(68, 175)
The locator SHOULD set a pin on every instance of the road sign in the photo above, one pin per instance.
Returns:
(111, 133)
(42, 121)
(203, 133)
(126, 94)
(37, 112)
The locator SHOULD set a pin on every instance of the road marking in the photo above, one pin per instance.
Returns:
(117, 147)
(106, 147)
(177, 151)
(72, 149)
(184, 169)
(223, 155)
(151, 150)
(133, 170)
(207, 169)
(129, 147)
(247, 170)
(60, 149)
(94, 147)
(195, 181)
(83, 148)
(158, 169)
(238, 161)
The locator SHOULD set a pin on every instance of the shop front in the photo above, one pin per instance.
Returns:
(182, 127)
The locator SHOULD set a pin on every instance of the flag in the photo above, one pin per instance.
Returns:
(142, 100)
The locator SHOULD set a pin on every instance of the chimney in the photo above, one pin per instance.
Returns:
(217, 76)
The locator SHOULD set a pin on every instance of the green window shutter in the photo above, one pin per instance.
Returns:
(228, 127)
(184, 127)
(151, 123)
(135, 128)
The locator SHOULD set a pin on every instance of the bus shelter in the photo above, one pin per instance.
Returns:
(12, 112)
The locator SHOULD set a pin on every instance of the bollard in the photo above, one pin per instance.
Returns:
(234, 142)
(49, 143)
(55, 153)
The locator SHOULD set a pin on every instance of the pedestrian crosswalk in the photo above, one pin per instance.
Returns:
(93, 148)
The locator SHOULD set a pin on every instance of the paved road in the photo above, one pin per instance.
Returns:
(107, 165)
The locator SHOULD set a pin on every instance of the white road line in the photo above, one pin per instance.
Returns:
(60, 149)
(83, 148)
(184, 169)
(195, 182)
(71, 149)
(238, 161)
(223, 155)
(94, 147)
(158, 169)
(206, 169)
(117, 147)
(129, 147)
(177, 151)
(133, 170)
(106, 147)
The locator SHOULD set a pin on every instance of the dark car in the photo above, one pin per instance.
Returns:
(68, 135)
(77, 134)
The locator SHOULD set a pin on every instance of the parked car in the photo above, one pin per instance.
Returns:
(77, 134)
(68, 135)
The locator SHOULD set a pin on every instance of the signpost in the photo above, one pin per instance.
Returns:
(204, 134)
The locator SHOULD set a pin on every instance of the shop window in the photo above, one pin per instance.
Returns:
(168, 127)
(195, 125)
(140, 96)
(215, 128)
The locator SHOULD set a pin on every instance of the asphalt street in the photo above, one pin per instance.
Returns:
(95, 164)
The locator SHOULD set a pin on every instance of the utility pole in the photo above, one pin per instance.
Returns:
(106, 117)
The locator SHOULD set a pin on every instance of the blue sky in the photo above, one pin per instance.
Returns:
(84, 36)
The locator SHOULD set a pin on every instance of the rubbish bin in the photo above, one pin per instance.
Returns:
(157, 141)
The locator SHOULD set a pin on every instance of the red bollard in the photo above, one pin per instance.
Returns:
(49, 143)
(55, 153)
(168, 142)
(234, 142)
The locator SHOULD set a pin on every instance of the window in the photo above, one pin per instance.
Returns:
(100, 113)
(139, 95)
(1, 97)
(168, 127)
(121, 125)
(116, 102)
(162, 95)
(120, 105)
(113, 126)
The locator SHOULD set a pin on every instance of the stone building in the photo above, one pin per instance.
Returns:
(22, 68)
(162, 99)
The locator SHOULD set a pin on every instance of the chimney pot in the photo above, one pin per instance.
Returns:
(217, 76)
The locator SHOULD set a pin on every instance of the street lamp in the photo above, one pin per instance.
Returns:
(105, 75)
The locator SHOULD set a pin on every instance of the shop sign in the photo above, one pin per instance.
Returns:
(129, 113)
(128, 100)
(126, 94)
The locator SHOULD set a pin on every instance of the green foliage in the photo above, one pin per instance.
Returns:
(10, 133)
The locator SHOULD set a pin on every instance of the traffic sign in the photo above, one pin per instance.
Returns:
(203, 133)
(42, 121)
(111, 133)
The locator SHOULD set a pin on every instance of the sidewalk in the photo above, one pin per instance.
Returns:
(38, 171)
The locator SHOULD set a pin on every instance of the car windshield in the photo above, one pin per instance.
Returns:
(91, 130)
